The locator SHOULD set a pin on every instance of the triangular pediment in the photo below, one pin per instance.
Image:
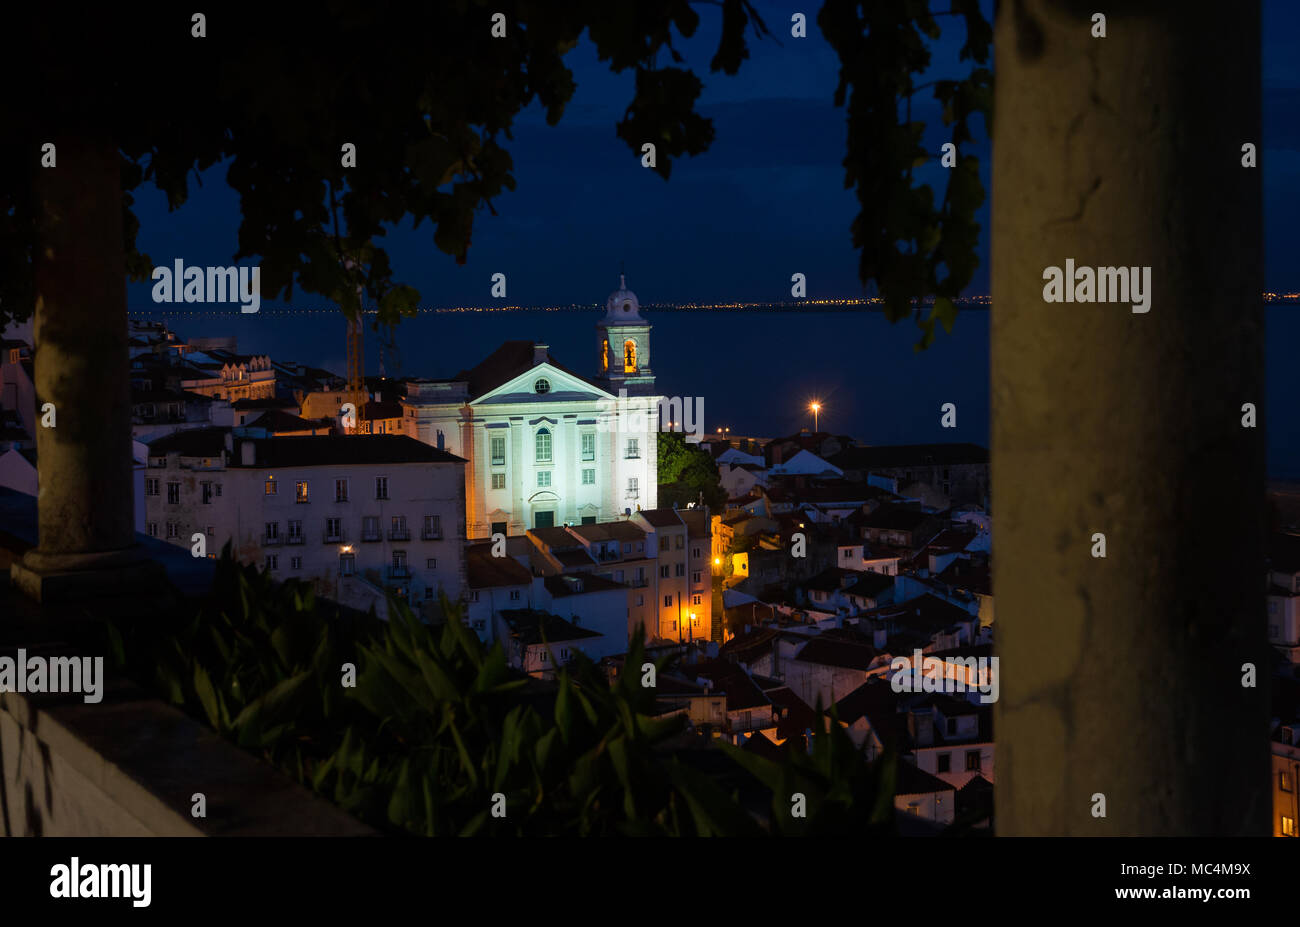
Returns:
(562, 386)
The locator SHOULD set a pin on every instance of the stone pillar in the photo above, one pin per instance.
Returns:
(1122, 676)
(86, 523)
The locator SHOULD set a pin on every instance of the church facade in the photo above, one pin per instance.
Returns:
(544, 445)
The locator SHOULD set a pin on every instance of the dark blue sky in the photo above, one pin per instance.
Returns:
(766, 200)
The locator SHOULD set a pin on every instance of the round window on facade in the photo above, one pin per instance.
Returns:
(542, 386)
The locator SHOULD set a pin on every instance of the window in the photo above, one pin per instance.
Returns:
(295, 532)
(333, 529)
(269, 488)
(627, 548)
(151, 486)
(697, 577)
(300, 492)
(543, 477)
(633, 487)
(173, 493)
(497, 450)
(473, 596)
(681, 542)
(431, 563)
(499, 527)
(588, 477)
(629, 356)
(432, 527)
(514, 595)
(696, 553)
(543, 446)
(273, 561)
(370, 528)
(381, 487)
(340, 490)
(972, 760)
(944, 762)
(668, 601)
(545, 656)
(399, 562)
(498, 481)
(588, 446)
(542, 386)
(152, 529)
(173, 530)
(680, 569)
(398, 530)
(696, 600)
(272, 532)
(428, 593)
(347, 564)
(633, 448)
(212, 531)
(1288, 826)
(1284, 781)
(663, 571)
(295, 563)
(206, 490)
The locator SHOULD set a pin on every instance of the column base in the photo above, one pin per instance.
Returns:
(51, 578)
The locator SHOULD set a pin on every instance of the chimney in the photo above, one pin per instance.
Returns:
(539, 353)
(247, 451)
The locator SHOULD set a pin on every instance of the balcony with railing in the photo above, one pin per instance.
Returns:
(371, 534)
(399, 572)
(294, 539)
(270, 540)
(334, 536)
(399, 534)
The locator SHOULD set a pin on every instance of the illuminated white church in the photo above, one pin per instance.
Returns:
(542, 443)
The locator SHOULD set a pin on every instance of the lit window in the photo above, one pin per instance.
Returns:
(543, 477)
(270, 488)
(300, 491)
(588, 446)
(498, 481)
(543, 446)
(588, 477)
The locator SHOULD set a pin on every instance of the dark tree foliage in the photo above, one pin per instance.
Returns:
(687, 473)
(428, 96)
(912, 248)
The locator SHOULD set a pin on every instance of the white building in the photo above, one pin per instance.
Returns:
(358, 516)
(544, 445)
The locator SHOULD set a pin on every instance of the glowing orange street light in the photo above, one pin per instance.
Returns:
(815, 408)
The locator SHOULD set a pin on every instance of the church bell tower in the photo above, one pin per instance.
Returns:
(624, 359)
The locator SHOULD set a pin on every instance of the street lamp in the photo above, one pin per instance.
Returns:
(815, 408)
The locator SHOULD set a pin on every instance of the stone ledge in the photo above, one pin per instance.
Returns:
(129, 766)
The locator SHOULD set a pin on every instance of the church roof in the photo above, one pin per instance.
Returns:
(503, 365)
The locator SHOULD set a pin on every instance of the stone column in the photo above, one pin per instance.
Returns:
(86, 523)
(1122, 676)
